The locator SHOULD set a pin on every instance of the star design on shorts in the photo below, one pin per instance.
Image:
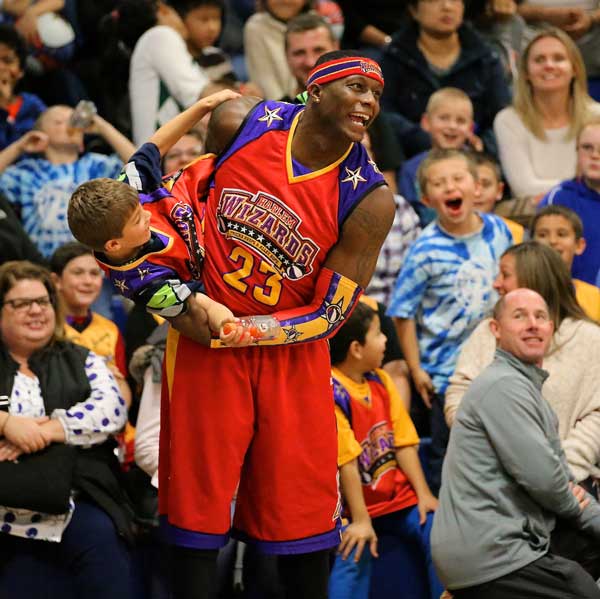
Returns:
(292, 334)
(270, 116)
(334, 312)
(121, 285)
(375, 167)
(143, 272)
(353, 177)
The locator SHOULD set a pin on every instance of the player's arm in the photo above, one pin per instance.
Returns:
(172, 131)
(346, 271)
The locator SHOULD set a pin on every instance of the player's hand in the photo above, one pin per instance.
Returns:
(26, 433)
(216, 99)
(234, 334)
(218, 315)
(34, 142)
(9, 452)
(423, 385)
(426, 503)
(358, 534)
(581, 495)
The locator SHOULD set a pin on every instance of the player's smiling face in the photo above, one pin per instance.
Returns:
(351, 104)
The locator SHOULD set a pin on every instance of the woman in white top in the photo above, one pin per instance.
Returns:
(536, 135)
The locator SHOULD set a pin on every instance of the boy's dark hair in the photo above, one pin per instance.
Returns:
(307, 21)
(65, 253)
(557, 210)
(354, 329)
(483, 159)
(10, 37)
(183, 7)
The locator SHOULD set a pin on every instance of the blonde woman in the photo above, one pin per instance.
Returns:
(536, 135)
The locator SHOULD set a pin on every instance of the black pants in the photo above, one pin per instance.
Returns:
(567, 571)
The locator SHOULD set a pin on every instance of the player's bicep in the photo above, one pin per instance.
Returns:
(225, 120)
(355, 254)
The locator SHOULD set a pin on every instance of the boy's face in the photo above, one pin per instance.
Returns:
(588, 154)
(450, 124)
(80, 283)
(183, 151)
(136, 231)
(374, 346)
(55, 123)
(203, 25)
(490, 188)
(557, 232)
(451, 191)
(10, 69)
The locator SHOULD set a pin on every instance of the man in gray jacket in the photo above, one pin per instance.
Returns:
(511, 524)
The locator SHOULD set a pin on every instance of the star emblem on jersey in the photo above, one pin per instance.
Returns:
(375, 167)
(291, 334)
(353, 177)
(334, 312)
(270, 116)
(121, 284)
(143, 272)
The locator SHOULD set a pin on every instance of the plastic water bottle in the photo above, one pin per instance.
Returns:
(83, 115)
(260, 327)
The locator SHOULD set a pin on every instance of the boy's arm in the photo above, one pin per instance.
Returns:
(407, 336)
(360, 531)
(33, 142)
(117, 141)
(172, 131)
(409, 463)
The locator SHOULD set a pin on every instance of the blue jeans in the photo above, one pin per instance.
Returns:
(90, 554)
(351, 580)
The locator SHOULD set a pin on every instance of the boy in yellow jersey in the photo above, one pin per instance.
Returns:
(562, 229)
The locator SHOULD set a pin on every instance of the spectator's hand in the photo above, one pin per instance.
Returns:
(235, 335)
(34, 142)
(581, 23)
(475, 142)
(26, 25)
(501, 9)
(581, 495)
(427, 503)
(216, 99)
(423, 385)
(15, 7)
(358, 534)
(8, 451)
(26, 433)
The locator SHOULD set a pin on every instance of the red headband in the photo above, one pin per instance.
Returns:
(344, 67)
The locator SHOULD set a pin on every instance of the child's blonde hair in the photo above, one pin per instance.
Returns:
(444, 95)
(437, 155)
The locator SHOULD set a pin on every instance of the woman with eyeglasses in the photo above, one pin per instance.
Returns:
(60, 501)
(436, 49)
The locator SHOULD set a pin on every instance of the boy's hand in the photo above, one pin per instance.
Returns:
(34, 142)
(423, 385)
(358, 534)
(427, 503)
(475, 142)
(216, 99)
(233, 334)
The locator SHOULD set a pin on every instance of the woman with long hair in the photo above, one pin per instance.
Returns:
(573, 387)
(536, 135)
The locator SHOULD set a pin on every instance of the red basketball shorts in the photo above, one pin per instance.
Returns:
(260, 417)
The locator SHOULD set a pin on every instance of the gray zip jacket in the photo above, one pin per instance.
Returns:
(505, 479)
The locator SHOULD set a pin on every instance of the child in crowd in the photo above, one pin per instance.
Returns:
(445, 286)
(18, 111)
(382, 481)
(562, 229)
(448, 119)
(144, 242)
(491, 188)
(582, 194)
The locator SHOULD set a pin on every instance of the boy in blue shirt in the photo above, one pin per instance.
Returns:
(582, 195)
(445, 286)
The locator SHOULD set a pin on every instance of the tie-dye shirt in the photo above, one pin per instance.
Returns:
(445, 285)
(40, 192)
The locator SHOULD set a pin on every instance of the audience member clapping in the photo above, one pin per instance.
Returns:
(572, 389)
(536, 135)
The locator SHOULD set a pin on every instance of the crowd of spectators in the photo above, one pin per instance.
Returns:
(488, 109)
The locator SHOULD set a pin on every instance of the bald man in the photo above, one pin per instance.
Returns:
(510, 523)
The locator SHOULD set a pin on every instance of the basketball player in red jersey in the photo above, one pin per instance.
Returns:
(294, 222)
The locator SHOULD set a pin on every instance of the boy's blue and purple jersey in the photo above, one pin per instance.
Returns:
(168, 267)
(445, 285)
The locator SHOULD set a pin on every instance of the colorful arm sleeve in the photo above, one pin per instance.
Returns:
(334, 299)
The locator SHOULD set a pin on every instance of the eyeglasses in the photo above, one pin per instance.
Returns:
(589, 148)
(23, 304)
